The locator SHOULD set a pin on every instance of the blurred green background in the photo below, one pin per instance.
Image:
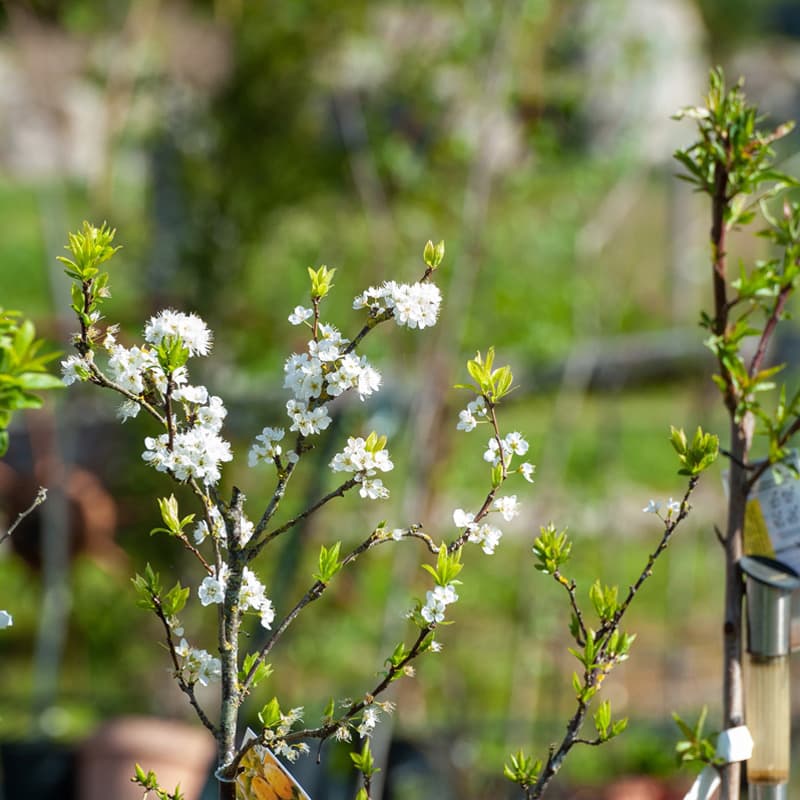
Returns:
(235, 143)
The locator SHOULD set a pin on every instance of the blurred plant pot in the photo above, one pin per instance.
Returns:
(178, 753)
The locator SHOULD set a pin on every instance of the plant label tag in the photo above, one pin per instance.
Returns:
(704, 787)
(772, 523)
(772, 520)
(263, 777)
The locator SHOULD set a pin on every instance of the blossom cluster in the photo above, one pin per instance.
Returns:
(275, 738)
(414, 305)
(364, 461)
(436, 601)
(199, 665)
(654, 507)
(193, 449)
(512, 444)
(326, 370)
(475, 411)
(482, 533)
(252, 594)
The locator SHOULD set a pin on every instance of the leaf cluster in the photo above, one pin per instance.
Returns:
(552, 548)
(172, 520)
(329, 563)
(153, 597)
(22, 369)
(433, 254)
(605, 727)
(492, 384)
(321, 282)
(731, 148)
(696, 747)
(262, 670)
(698, 455)
(149, 782)
(364, 761)
(522, 769)
(90, 247)
(448, 566)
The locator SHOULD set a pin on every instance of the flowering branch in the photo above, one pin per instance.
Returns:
(601, 650)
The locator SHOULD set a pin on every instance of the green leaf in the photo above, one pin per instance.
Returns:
(270, 714)
(329, 563)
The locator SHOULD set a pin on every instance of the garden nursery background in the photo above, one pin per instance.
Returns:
(233, 144)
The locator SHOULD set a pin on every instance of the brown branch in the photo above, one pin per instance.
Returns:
(254, 549)
(570, 588)
(769, 329)
(670, 526)
(41, 496)
(185, 686)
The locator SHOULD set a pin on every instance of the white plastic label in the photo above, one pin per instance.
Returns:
(704, 787)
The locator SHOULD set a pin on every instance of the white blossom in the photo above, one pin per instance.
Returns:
(356, 458)
(195, 453)
(673, 507)
(342, 734)
(192, 331)
(507, 506)
(6, 620)
(300, 315)
(468, 418)
(199, 665)
(201, 529)
(652, 507)
(413, 305)
(487, 536)
(462, 519)
(211, 591)
(436, 601)
(373, 489)
(307, 421)
(128, 410)
(266, 447)
(369, 719)
(303, 376)
(211, 415)
(74, 368)
(527, 471)
(129, 366)
(515, 443)
(198, 395)
(325, 350)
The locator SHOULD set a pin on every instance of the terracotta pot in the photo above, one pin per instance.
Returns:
(178, 753)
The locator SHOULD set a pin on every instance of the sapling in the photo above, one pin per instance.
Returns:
(732, 162)
(228, 541)
(600, 649)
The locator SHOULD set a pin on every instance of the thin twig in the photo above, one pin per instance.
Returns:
(186, 687)
(41, 496)
(340, 491)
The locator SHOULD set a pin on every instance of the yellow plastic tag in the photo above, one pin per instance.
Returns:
(756, 535)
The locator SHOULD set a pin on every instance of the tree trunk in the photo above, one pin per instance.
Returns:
(733, 694)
